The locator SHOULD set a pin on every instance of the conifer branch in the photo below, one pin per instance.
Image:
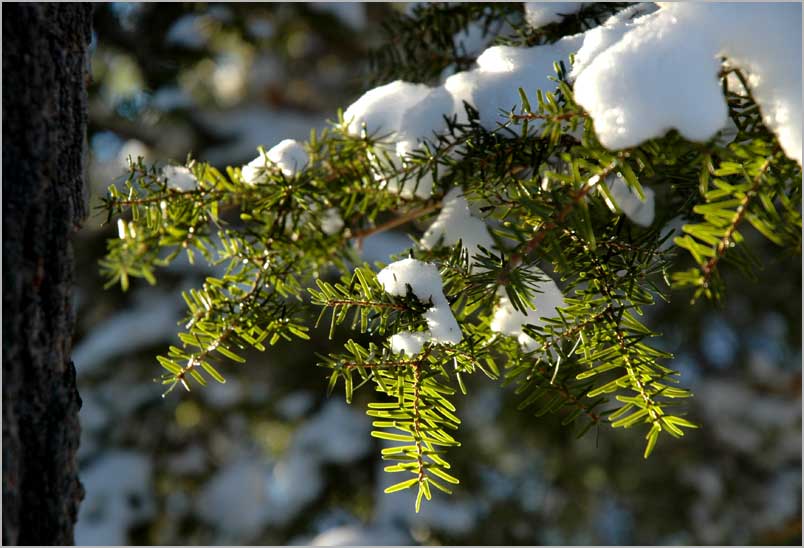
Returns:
(516, 258)
(547, 199)
(726, 241)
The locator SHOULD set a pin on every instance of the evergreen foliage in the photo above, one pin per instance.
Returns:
(541, 196)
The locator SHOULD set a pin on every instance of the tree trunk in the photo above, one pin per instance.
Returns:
(44, 132)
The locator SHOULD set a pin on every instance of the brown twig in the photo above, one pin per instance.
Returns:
(417, 379)
(518, 256)
(360, 235)
(381, 365)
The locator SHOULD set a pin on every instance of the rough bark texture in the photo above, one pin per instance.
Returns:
(44, 128)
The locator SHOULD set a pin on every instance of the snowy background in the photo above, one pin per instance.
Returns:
(267, 458)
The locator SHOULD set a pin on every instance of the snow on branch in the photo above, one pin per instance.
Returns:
(641, 78)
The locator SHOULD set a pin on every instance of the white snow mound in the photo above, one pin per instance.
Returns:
(424, 281)
(539, 14)
(662, 73)
(507, 320)
(456, 222)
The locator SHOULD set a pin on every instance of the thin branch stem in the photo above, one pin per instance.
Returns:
(196, 359)
(619, 335)
(518, 256)
(412, 215)
(724, 243)
(381, 365)
(349, 302)
(417, 434)
(574, 330)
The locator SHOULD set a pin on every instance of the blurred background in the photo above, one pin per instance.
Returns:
(267, 458)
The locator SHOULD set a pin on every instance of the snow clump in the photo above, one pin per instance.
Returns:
(380, 112)
(409, 342)
(409, 114)
(647, 70)
(662, 73)
(331, 221)
(456, 222)
(288, 155)
(539, 14)
(598, 39)
(627, 201)
(380, 109)
(179, 178)
(423, 279)
(507, 320)
(255, 171)
(424, 282)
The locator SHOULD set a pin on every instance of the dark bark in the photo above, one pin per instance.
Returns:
(44, 132)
